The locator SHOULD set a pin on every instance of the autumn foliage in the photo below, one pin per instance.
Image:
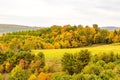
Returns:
(19, 63)
(56, 37)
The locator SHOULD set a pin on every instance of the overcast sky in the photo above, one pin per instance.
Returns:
(60, 12)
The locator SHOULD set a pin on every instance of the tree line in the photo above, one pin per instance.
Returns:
(57, 37)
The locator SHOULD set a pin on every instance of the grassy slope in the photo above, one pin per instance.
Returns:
(96, 49)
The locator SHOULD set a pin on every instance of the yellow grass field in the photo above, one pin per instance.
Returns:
(95, 49)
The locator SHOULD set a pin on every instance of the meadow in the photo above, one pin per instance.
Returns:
(95, 49)
(53, 56)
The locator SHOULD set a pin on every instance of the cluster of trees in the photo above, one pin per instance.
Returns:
(17, 60)
(58, 37)
(78, 66)
(84, 66)
(20, 64)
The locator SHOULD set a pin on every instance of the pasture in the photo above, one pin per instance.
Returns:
(95, 49)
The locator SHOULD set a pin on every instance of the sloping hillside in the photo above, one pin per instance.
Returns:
(11, 28)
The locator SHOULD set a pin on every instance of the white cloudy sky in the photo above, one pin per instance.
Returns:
(60, 12)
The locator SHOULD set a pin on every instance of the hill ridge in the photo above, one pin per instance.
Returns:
(5, 28)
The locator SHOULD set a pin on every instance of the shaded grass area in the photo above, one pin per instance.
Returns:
(95, 49)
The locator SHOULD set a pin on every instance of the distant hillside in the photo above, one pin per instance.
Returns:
(4, 28)
(110, 28)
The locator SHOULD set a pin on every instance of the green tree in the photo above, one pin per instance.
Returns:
(75, 63)
(82, 58)
(68, 63)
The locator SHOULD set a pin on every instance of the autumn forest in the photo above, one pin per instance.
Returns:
(18, 62)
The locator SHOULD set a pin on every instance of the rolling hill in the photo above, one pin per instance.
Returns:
(4, 28)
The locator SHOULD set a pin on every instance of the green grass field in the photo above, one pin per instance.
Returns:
(95, 49)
